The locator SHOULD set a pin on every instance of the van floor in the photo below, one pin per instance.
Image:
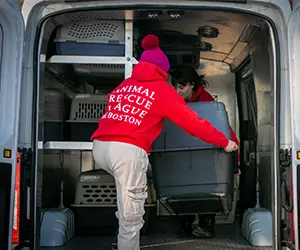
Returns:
(164, 238)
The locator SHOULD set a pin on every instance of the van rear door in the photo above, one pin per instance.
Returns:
(11, 43)
(294, 72)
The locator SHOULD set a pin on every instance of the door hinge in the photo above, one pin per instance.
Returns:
(26, 182)
(285, 157)
(285, 163)
(26, 160)
(285, 192)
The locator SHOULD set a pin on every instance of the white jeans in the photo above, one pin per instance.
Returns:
(128, 164)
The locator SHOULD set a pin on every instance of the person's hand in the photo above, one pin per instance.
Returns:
(231, 146)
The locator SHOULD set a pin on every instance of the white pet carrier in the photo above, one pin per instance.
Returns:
(85, 37)
(91, 31)
(88, 107)
(96, 188)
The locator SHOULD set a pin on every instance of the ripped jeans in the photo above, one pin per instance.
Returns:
(128, 164)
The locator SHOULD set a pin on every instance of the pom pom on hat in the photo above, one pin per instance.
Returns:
(150, 42)
(153, 54)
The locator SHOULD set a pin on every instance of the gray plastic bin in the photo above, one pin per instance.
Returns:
(194, 176)
(173, 138)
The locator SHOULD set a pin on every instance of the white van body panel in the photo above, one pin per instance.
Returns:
(278, 11)
(296, 4)
(60, 5)
(294, 62)
(11, 44)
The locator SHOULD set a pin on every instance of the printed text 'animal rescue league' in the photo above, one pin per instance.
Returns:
(129, 104)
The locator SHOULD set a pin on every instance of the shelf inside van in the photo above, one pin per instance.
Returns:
(90, 60)
(68, 145)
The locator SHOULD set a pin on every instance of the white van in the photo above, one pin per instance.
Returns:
(248, 52)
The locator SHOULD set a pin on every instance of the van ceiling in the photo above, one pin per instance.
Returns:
(230, 25)
(235, 29)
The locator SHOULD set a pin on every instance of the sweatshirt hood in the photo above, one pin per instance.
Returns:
(148, 72)
(197, 93)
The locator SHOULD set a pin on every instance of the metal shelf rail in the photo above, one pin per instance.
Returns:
(128, 60)
(68, 145)
(63, 146)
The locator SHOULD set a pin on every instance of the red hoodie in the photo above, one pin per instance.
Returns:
(137, 108)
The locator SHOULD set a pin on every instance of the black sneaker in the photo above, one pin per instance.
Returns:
(206, 233)
(206, 227)
(185, 230)
(114, 245)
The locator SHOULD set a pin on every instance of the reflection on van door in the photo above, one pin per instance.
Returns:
(11, 43)
(246, 98)
(294, 71)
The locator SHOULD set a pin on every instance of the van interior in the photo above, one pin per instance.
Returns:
(83, 56)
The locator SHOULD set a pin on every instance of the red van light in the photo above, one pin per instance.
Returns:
(16, 219)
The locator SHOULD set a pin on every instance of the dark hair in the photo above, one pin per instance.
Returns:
(185, 74)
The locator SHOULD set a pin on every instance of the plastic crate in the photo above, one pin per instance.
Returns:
(99, 69)
(96, 187)
(96, 204)
(88, 108)
(206, 176)
(89, 49)
(91, 38)
(94, 15)
(92, 31)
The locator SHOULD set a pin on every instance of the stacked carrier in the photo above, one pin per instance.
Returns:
(86, 109)
(93, 38)
(86, 36)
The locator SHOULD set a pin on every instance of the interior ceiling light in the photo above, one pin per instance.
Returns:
(208, 31)
(175, 15)
(153, 14)
(204, 46)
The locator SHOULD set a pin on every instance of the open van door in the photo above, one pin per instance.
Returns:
(294, 72)
(11, 46)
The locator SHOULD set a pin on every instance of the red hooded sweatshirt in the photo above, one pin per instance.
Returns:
(137, 108)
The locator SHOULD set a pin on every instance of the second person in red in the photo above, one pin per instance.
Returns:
(191, 87)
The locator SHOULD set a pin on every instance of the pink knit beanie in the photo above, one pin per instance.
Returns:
(153, 54)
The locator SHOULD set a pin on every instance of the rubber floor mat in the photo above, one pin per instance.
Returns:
(165, 238)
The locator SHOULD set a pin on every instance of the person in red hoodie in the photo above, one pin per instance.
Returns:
(191, 87)
(133, 119)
